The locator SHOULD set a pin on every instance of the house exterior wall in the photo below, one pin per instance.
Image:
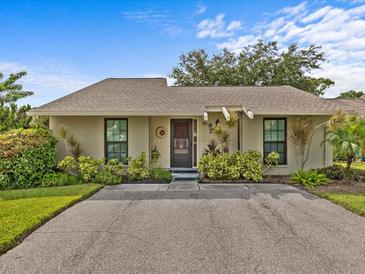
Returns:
(90, 132)
(142, 138)
(252, 139)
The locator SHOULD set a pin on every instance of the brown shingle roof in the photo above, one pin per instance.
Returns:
(153, 97)
(357, 105)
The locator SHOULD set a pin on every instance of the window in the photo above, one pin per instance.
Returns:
(275, 137)
(116, 139)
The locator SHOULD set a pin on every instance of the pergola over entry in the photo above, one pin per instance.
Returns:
(225, 111)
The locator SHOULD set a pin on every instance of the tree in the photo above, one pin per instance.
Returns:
(12, 116)
(259, 64)
(346, 132)
(351, 94)
(10, 92)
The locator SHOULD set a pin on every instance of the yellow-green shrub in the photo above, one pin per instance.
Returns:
(240, 165)
(25, 156)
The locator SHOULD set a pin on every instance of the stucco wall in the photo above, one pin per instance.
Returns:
(162, 144)
(90, 132)
(320, 154)
(141, 137)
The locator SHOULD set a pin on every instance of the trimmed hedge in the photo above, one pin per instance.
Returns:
(26, 155)
(240, 165)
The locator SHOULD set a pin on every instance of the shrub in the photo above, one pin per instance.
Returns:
(89, 167)
(162, 174)
(107, 178)
(114, 167)
(337, 172)
(25, 156)
(59, 179)
(69, 164)
(309, 178)
(137, 169)
(240, 165)
(155, 155)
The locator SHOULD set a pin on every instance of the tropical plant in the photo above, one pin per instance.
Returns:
(72, 144)
(271, 160)
(155, 155)
(309, 178)
(223, 131)
(346, 132)
(337, 172)
(212, 147)
(107, 178)
(258, 64)
(160, 174)
(59, 179)
(137, 169)
(89, 167)
(300, 135)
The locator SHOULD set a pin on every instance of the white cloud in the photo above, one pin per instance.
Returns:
(217, 27)
(340, 32)
(48, 79)
(201, 9)
(295, 10)
(162, 20)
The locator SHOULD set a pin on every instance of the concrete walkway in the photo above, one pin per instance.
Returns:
(217, 229)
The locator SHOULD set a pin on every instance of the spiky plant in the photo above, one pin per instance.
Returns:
(300, 135)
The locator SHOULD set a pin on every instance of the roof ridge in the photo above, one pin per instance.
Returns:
(233, 86)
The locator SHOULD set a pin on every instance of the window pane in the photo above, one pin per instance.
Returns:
(109, 124)
(274, 124)
(123, 125)
(267, 147)
(281, 124)
(280, 147)
(274, 138)
(267, 124)
(281, 136)
(274, 135)
(274, 147)
(267, 135)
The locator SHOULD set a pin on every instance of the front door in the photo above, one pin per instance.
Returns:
(181, 143)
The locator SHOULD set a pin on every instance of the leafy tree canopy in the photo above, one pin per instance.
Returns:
(351, 94)
(10, 92)
(259, 64)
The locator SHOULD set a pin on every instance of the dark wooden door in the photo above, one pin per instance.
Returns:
(181, 143)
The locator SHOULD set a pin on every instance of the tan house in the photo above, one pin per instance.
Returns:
(116, 118)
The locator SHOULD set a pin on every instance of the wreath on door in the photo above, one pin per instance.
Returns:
(161, 132)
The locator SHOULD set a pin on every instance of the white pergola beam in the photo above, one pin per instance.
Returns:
(226, 113)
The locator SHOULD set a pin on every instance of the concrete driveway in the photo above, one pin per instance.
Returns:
(250, 229)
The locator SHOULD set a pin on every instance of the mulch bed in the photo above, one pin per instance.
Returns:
(274, 179)
(339, 186)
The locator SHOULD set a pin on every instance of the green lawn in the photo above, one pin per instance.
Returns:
(354, 202)
(21, 211)
(355, 165)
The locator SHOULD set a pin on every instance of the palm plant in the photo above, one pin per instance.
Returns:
(301, 134)
(223, 132)
(346, 133)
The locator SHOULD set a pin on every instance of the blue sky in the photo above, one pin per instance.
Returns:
(65, 45)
